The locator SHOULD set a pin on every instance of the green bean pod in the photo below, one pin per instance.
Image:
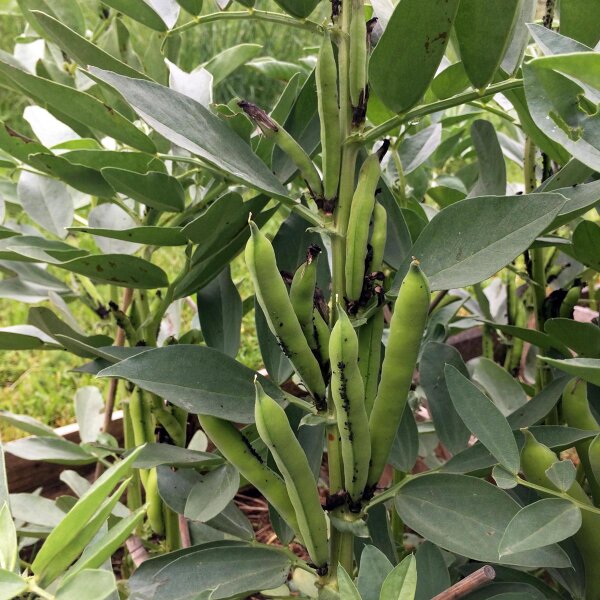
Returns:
(275, 132)
(329, 116)
(535, 460)
(322, 336)
(232, 444)
(576, 412)
(369, 356)
(273, 298)
(275, 431)
(357, 238)
(406, 330)
(570, 302)
(302, 292)
(154, 502)
(348, 394)
(378, 237)
(358, 53)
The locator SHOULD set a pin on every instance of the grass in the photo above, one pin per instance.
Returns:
(42, 384)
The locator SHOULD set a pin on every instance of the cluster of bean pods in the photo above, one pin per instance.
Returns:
(336, 353)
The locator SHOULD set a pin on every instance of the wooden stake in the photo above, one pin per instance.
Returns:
(469, 584)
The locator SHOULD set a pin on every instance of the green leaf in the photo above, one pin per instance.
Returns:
(492, 169)
(156, 190)
(504, 391)
(559, 104)
(149, 235)
(504, 479)
(50, 324)
(212, 494)
(80, 49)
(197, 378)
(448, 424)
(346, 585)
(483, 419)
(119, 269)
(586, 368)
(81, 178)
(434, 577)
(416, 149)
(140, 11)
(220, 313)
(410, 49)
(484, 30)
(24, 337)
(27, 424)
(467, 516)
(405, 448)
(89, 411)
(471, 240)
(50, 449)
(153, 455)
(194, 7)
(584, 338)
(538, 407)
(580, 199)
(9, 551)
(206, 269)
(374, 568)
(218, 572)
(82, 106)
(586, 241)
(538, 338)
(77, 518)
(579, 19)
(89, 584)
(562, 474)
(520, 38)
(101, 550)
(540, 524)
(225, 63)
(298, 8)
(276, 363)
(401, 583)
(193, 127)
(46, 201)
(11, 585)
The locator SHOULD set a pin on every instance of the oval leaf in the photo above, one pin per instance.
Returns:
(483, 419)
(410, 49)
(540, 524)
(199, 379)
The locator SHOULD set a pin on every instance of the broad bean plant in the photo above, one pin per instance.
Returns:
(428, 175)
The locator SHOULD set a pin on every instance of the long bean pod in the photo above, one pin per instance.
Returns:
(302, 292)
(329, 116)
(348, 394)
(273, 298)
(358, 53)
(232, 444)
(406, 330)
(357, 237)
(275, 431)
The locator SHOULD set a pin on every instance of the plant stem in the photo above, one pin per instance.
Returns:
(256, 15)
(35, 589)
(427, 109)
(563, 495)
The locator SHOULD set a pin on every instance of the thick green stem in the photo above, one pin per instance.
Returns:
(538, 269)
(250, 14)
